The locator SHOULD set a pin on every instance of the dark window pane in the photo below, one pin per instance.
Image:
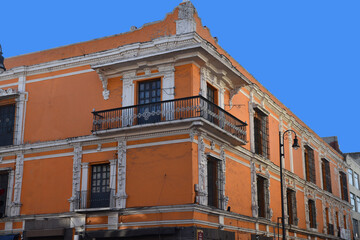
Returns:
(100, 189)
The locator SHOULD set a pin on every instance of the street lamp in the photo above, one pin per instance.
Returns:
(282, 154)
(2, 66)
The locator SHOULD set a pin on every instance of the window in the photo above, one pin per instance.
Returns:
(262, 196)
(215, 183)
(352, 201)
(7, 119)
(358, 204)
(3, 192)
(343, 187)
(100, 186)
(356, 180)
(261, 133)
(350, 174)
(356, 227)
(211, 95)
(312, 213)
(291, 204)
(330, 227)
(149, 93)
(212, 183)
(326, 176)
(309, 164)
(345, 225)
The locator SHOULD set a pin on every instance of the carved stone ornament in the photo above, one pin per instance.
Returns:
(104, 81)
(233, 92)
(202, 163)
(222, 176)
(7, 92)
(254, 204)
(192, 134)
(212, 145)
(75, 198)
(121, 195)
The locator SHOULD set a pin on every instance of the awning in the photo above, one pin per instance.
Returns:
(9, 237)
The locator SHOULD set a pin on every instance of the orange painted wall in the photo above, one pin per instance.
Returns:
(238, 187)
(187, 81)
(66, 102)
(47, 186)
(161, 173)
(240, 110)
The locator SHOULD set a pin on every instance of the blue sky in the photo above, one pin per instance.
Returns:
(305, 52)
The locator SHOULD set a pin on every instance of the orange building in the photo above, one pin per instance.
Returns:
(157, 133)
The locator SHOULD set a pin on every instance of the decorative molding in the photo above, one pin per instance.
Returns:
(19, 168)
(8, 92)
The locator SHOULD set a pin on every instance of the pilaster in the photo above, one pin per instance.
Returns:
(74, 200)
(121, 195)
(19, 168)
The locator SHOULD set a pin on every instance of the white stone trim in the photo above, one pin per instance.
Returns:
(84, 184)
(59, 76)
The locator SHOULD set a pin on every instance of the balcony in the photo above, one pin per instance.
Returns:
(86, 200)
(170, 110)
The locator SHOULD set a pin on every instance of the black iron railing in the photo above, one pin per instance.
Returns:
(87, 199)
(170, 110)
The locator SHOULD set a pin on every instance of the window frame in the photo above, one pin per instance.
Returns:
(353, 202)
(350, 177)
(356, 180)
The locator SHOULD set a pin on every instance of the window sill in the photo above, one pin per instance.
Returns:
(94, 209)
